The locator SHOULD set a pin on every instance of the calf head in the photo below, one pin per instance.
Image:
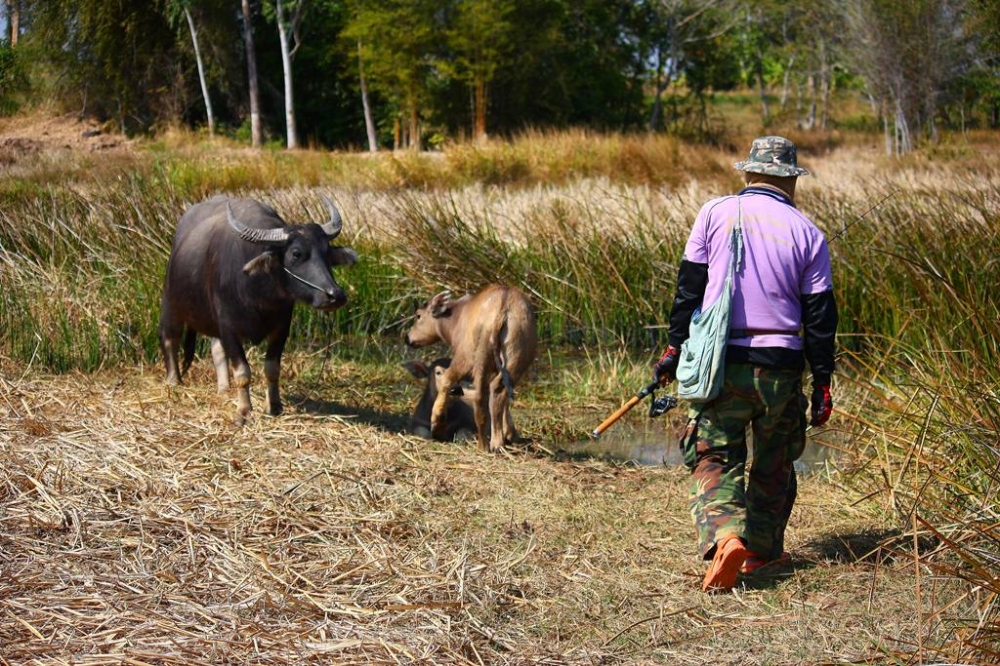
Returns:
(426, 329)
(300, 258)
(459, 418)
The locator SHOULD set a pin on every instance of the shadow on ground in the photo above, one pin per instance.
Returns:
(389, 422)
(874, 546)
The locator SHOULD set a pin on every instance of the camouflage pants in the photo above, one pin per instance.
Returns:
(724, 499)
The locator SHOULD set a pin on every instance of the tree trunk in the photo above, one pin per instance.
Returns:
(411, 120)
(256, 134)
(904, 139)
(201, 73)
(784, 83)
(369, 122)
(414, 131)
(810, 120)
(479, 131)
(765, 113)
(14, 16)
(659, 87)
(825, 86)
(883, 112)
(286, 69)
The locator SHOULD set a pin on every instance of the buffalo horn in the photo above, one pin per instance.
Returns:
(336, 223)
(269, 236)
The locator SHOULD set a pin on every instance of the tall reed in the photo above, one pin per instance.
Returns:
(920, 282)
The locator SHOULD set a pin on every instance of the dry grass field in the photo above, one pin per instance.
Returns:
(139, 526)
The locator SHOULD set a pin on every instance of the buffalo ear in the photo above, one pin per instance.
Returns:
(440, 305)
(418, 369)
(341, 256)
(263, 263)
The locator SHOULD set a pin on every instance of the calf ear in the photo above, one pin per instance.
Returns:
(341, 256)
(265, 262)
(418, 369)
(440, 305)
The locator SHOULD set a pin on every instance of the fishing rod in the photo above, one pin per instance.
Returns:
(850, 224)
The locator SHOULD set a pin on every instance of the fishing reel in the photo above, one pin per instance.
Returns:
(662, 405)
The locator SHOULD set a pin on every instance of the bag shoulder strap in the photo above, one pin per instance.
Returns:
(736, 241)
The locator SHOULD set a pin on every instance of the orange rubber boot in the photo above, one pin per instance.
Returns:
(755, 562)
(730, 554)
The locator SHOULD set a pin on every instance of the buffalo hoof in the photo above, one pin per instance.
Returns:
(439, 431)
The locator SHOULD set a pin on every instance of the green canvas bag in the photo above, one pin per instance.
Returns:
(703, 354)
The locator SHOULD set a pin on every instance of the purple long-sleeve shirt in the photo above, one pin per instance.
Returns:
(785, 256)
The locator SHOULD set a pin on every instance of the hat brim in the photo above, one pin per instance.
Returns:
(771, 169)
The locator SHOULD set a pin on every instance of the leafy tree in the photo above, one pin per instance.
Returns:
(480, 39)
(176, 9)
(907, 51)
(397, 38)
(116, 59)
(684, 37)
(327, 80)
(982, 83)
(287, 15)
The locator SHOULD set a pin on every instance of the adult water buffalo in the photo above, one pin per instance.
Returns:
(493, 338)
(235, 272)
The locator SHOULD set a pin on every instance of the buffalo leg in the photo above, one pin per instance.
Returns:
(190, 338)
(510, 435)
(169, 347)
(221, 365)
(241, 375)
(481, 411)
(272, 371)
(439, 412)
(170, 337)
(499, 404)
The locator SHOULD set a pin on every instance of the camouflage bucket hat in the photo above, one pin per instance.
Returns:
(773, 156)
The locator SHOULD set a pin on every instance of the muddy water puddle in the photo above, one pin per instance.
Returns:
(654, 444)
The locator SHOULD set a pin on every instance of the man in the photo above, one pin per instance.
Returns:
(783, 315)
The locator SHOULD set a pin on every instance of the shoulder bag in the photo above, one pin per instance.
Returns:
(703, 354)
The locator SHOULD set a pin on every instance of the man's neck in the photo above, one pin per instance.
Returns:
(774, 188)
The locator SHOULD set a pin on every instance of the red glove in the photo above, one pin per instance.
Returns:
(822, 405)
(665, 370)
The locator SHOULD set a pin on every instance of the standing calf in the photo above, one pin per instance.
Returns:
(235, 272)
(459, 420)
(493, 338)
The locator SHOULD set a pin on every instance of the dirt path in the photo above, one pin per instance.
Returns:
(29, 136)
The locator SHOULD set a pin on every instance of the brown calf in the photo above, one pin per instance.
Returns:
(459, 420)
(493, 339)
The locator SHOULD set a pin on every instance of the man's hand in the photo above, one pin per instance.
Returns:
(821, 405)
(665, 370)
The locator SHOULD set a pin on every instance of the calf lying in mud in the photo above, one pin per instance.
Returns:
(459, 421)
(493, 337)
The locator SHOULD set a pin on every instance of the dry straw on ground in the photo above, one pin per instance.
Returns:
(138, 526)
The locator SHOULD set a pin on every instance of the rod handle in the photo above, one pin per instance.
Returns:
(608, 422)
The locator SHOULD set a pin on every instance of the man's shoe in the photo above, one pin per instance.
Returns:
(754, 562)
(730, 554)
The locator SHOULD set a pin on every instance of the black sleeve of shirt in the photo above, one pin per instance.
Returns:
(692, 279)
(819, 322)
